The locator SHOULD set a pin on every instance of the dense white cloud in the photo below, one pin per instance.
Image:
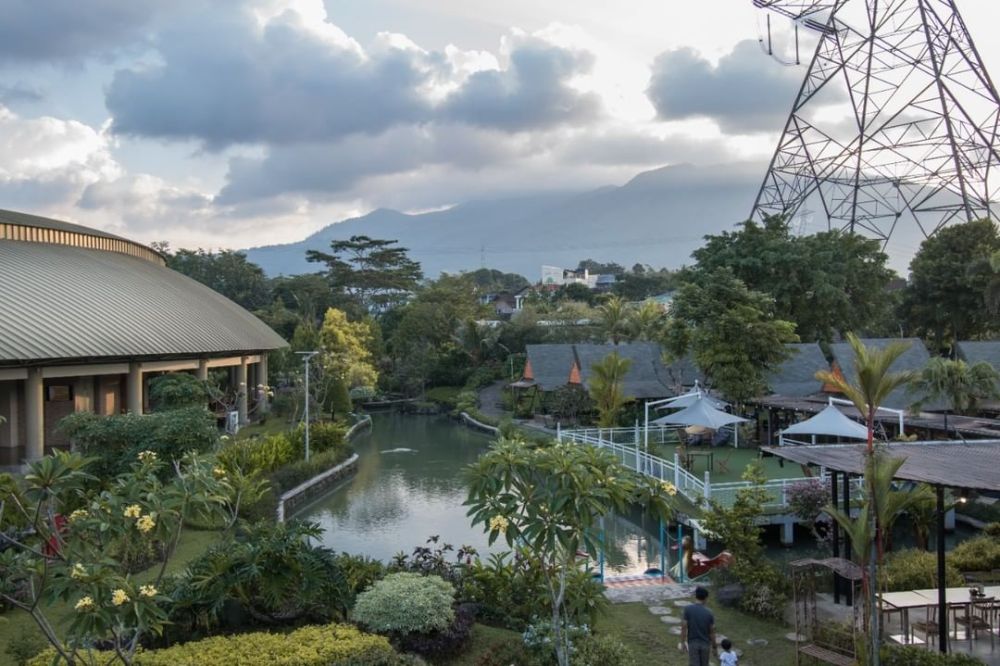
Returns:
(743, 93)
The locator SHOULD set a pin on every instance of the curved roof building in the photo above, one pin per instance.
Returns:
(86, 318)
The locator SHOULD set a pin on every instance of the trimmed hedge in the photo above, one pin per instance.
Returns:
(919, 656)
(309, 646)
(979, 554)
(404, 603)
(913, 569)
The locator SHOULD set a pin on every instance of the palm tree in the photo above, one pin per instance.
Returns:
(647, 321)
(960, 385)
(614, 318)
(873, 384)
(607, 388)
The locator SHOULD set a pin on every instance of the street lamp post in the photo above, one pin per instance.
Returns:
(306, 355)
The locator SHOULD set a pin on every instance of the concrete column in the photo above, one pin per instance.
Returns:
(263, 380)
(34, 415)
(202, 371)
(133, 388)
(788, 532)
(242, 390)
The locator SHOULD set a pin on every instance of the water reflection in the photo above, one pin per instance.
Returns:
(398, 498)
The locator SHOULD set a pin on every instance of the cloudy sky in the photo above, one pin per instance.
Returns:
(231, 123)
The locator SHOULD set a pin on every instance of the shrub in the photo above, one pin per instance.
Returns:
(258, 455)
(505, 654)
(979, 554)
(115, 441)
(992, 530)
(481, 377)
(177, 391)
(899, 655)
(309, 646)
(24, 646)
(603, 651)
(445, 643)
(404, 603)
(913, 569)
(360, 572)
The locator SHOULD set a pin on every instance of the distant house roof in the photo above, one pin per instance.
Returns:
(552, 366)
(796, 376)
(606, 278)
(914, 358)
(986, 351)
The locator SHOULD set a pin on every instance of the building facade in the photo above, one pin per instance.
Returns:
(88, 318)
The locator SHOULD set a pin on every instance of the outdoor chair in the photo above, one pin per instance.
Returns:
(722, 463)
(982, 617)
(928, 626)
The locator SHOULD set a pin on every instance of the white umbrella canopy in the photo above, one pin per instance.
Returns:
(688, 400)
(700, 413)
(831, 421)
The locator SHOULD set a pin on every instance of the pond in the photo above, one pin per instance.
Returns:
(409, 486)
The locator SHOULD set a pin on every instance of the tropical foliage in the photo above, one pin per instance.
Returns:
(549, 500)
(607, 388)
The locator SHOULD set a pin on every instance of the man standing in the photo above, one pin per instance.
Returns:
(698, 630)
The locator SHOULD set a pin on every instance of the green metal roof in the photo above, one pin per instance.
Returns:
(65, 302)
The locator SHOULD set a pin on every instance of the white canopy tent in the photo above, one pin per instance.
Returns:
(703, 413)
(689, 399)
(831, 422)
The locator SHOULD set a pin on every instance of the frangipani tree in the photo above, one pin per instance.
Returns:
(72, 540)
(548, 501)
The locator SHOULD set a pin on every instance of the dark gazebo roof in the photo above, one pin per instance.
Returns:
(955, 464)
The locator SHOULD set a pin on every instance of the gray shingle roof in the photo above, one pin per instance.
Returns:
(796, 376)
(550, 365)
(987, 351)
(914, 358)
(64, 302)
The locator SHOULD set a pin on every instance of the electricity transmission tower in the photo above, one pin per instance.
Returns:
(919, 143)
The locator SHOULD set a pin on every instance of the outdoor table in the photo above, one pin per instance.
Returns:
(708, 455)
(959, 597)
(903, 602)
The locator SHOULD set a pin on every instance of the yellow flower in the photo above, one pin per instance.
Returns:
(119, 597)
(132, 511)
(499, 524)
(79, 571)
(147, 456)
(84, 605)
(148, 591)
(79, 514)
(218, 472)
(669, 488)
(145, 524)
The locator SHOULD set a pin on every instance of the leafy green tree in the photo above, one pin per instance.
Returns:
(346, 350)
(376, 273)
(177, 391)
(79, 562)
(307, 296)
(872, 385)
(574, 292)
(607, 388)
(947, 295)
(961, 385)
(732, 332)
(226, 272)
(639, 285)
(490, 280)
(600, 268)
(548, 501)
(825, 283)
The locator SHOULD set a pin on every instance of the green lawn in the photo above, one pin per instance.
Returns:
(652, 642)
(16, 623)
(275, 425)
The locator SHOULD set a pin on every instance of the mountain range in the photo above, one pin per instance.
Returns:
(657, 218)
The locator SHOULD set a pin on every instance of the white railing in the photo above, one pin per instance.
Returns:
(664, 470)
(622, 443)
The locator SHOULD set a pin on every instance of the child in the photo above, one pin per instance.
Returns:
(727, 657)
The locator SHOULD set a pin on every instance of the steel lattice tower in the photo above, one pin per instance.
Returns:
(921, 144)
